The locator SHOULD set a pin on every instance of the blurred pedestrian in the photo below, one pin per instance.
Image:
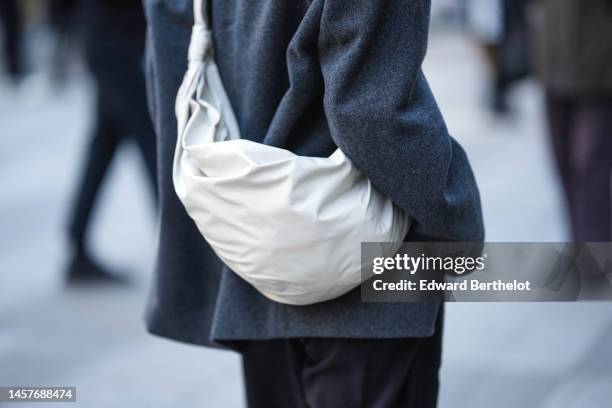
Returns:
(500, 27)
(311, 76)
(12, 27)
(114, 33)
(572, 50)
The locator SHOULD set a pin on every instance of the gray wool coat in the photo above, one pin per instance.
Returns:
(307, 75)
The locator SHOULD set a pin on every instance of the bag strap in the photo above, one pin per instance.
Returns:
(200, 45)
(200, 13)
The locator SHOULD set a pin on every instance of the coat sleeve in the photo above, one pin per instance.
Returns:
(383, 116)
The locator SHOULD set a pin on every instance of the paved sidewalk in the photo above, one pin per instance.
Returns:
(502, 355)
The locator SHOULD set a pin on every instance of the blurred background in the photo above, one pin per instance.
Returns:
(75, 260)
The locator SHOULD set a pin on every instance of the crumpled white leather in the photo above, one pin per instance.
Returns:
(289, 225)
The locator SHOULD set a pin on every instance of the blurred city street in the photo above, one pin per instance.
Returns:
(545, 355)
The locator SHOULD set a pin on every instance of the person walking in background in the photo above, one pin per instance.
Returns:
(500, 27)
(12, 27)
(114, 34)
(311, 76)
(572, 51)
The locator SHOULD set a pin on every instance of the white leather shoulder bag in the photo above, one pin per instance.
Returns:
(289, 225)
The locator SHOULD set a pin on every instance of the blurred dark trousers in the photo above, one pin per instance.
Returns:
(338, 373)
(581, 132)
(114, 36)
(10, 17)
(121, 115)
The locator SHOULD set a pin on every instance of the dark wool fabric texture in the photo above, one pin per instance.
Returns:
(307, 76)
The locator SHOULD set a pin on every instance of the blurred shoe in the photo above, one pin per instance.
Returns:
(83, 269)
